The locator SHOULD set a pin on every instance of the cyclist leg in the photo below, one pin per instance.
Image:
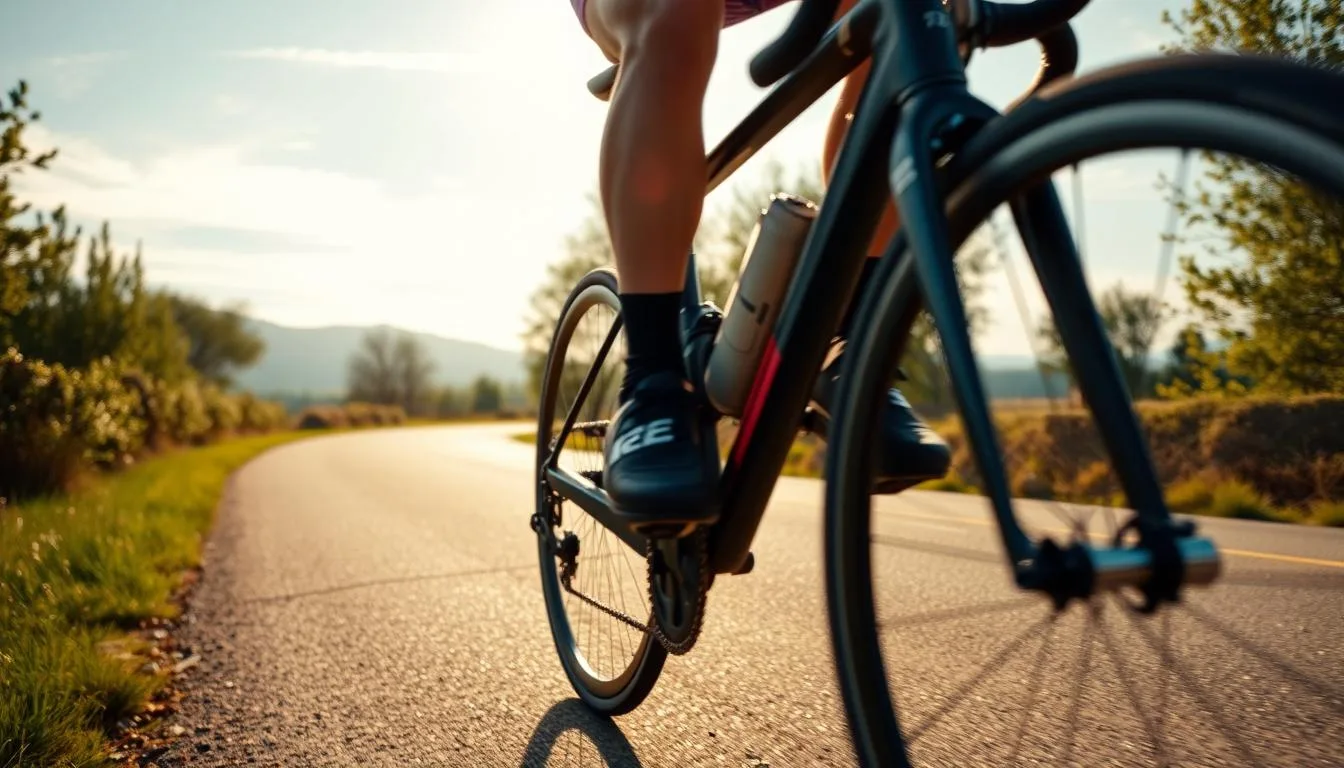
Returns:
(910, 450)
(661, 460)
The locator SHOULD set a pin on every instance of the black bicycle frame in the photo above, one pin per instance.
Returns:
(914, 107)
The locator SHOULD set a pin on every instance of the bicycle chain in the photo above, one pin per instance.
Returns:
(568, 566)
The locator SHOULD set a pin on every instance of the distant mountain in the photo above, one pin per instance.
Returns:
(1022, 383)
(314, 360)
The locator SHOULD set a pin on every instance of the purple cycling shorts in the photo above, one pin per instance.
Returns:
(734, 11)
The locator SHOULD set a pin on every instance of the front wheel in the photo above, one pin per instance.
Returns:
(1017, 682)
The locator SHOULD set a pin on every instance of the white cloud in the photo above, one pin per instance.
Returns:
(363, 252)
(218, 186)
(74, 74)
(400, 61)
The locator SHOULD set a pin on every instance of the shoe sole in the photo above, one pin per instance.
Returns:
(666, 526)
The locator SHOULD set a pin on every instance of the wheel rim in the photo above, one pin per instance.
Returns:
(851, 546)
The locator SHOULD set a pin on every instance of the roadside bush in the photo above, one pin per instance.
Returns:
(183, 415)
(1262, 458)
(322, 417)
(353, 414)
(1329, 513)
(223, 411)
(258, 416)
(1237, 499)
(55, 423)
(1190, 496)
(952, 483)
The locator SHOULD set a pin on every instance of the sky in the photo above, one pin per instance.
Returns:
(413, 162)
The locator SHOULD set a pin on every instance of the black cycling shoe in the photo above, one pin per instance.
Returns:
(909, 452)
(662, 459)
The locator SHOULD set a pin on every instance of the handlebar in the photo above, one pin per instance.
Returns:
(1009, 24)
(994, 25)
(787, 51)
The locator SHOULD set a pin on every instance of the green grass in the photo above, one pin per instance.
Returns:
(576, 441)
(78, 572)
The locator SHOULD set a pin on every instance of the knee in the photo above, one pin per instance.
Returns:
(682, 31)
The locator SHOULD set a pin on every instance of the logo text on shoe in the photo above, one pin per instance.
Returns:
(654, 433)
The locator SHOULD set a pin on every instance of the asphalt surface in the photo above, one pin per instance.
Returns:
(373, 599)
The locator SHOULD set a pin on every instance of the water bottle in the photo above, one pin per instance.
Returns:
(767, 268)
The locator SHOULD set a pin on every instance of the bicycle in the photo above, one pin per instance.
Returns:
(951, 160)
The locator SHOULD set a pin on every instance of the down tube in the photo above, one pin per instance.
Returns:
(1045, 233)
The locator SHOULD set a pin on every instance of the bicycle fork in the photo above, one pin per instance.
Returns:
(1167, 555)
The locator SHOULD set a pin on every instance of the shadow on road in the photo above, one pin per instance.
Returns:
(571, 735)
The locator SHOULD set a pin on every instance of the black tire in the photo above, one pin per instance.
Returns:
(623, 690)
(1279, 113)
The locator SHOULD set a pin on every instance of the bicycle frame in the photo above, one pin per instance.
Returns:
(915, 106)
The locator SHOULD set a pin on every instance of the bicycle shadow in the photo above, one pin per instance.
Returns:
(571, 735)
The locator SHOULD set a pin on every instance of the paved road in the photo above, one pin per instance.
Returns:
(373, 599)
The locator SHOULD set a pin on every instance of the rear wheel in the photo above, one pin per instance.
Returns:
(612, 665)
(1268, 120)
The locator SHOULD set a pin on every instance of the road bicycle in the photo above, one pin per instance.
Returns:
(949, 160)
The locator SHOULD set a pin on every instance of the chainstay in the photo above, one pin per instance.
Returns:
(567, 569)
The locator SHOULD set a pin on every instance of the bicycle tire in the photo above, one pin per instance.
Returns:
(626, 691)
(1274, 111)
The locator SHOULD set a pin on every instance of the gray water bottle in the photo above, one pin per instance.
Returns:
(767, 268)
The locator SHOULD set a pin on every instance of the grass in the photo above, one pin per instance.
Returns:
(77, 574)
(577, 441)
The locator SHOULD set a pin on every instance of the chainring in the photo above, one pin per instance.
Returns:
(679, 577)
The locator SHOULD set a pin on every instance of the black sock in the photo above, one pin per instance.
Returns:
(847, 324)
(652, 336)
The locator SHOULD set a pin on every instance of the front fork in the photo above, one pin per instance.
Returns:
(934, 121)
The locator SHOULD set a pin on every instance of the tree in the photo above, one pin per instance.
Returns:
(390, 370)
(720, 247)
(487, 396)
(109, 314)
(1196, 369)
(413, 369)
(16, 239)
(451, 402)
(218, 340)
(586, 249)
(1132, 320)
(1281, 313)
(372, 375)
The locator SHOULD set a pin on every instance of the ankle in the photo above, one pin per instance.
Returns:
(652, 335)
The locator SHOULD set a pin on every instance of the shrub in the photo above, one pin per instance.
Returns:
(1191, 496)
(183, 413)
(1289, 450)
(953, 483)
(1329, 513)
(353, 414)
(222, 410)
(54, 423)
(322, 417)
(257, 415)
(1237, 499)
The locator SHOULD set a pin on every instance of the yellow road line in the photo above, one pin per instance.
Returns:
(1285, 558)
(1237, 552)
